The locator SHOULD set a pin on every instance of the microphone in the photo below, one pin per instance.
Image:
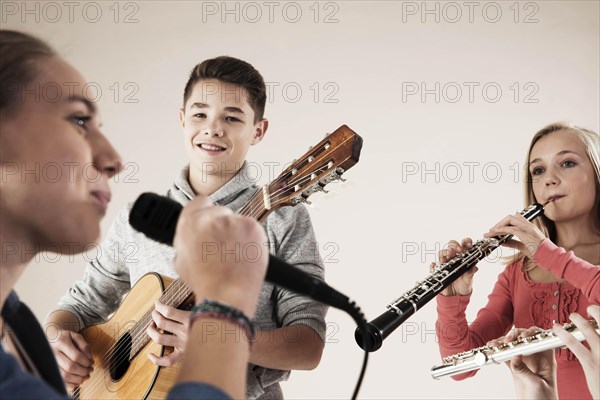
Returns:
(156, 217)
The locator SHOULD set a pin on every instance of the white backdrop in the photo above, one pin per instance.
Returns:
(445, 94)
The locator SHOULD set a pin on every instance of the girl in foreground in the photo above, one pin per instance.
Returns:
(39, 128)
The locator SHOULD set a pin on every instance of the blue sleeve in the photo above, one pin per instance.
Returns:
(17, 384)
(193, 390)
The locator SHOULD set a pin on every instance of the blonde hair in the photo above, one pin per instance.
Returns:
(591, 140)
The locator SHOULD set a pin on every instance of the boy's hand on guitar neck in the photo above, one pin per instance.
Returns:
(464, 284)
(170, 328)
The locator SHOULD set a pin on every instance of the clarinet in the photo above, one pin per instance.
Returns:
(441, 276)
(486, 355)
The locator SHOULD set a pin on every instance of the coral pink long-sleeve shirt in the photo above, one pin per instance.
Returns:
(516, 300)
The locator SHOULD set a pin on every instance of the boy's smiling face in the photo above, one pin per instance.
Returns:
(219, 128)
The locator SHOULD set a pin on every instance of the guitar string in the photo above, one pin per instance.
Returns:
(135, 340)
(316, 161)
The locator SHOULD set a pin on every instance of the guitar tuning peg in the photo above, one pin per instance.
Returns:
(302, 199)
(321, 188)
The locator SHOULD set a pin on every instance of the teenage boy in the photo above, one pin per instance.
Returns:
(222, 116)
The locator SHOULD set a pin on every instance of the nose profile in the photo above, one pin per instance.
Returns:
(105, 158)
(111, 169)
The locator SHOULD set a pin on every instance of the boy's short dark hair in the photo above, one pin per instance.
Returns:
(235, 71)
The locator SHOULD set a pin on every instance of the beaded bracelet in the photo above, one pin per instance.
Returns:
(215, 309)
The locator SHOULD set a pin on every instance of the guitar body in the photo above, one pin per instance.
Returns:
(139, 378)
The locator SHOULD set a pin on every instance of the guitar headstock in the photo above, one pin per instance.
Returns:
(322, 164)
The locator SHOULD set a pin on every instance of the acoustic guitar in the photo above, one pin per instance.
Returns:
(120, 346)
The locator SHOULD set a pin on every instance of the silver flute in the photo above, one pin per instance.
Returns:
(486, 355)
(440, 277)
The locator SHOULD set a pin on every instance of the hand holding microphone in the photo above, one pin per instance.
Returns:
(230, 278)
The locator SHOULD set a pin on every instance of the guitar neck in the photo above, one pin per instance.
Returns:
(259, 206)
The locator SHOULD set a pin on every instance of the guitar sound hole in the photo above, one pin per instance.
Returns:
(119, 360)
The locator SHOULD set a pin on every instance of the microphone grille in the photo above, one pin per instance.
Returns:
(155, 216)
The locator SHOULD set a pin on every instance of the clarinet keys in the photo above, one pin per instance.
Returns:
(440, 277)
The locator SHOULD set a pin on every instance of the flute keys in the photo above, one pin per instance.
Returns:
(480, 359)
